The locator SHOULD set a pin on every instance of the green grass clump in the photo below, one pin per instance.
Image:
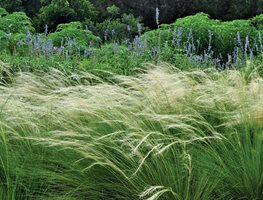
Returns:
(163, 134)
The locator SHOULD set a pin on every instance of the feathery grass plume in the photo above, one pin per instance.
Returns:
(164, 134)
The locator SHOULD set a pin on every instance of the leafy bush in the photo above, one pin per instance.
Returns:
(3, 12)
(16, 22)
(15, 40)
(2, 40)
(2, 34)
(258, 22)
(202, 34)
(112, 58)
(73, 34)
(71, 25)
(183, 32)
(113, 10)
(64, 11)
(119, 28)
(13, 29)
(226, 36)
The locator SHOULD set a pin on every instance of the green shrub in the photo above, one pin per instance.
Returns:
(61, 11)
(120, 28)
(113, 10)
(112, 59)
(223, 34)
(16, 22)
(13, 29)
(257, 22)
(200, 24)
(13, 43)
(73, 31)
(3, 40)
(71, 25)
(3, 12)
(2, 34)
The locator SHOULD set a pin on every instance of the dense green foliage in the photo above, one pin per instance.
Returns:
(54, 12)
(3, 12)
(258, 22)
(230, 9)
(198, 37)
(16, 22)
(206, 34)
(73, 31)
(60, 11)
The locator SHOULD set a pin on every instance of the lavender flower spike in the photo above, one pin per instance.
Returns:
(116, 47)
(129, 28)
(247, 44)
(157, 16)
(139, 27)
(46, 30)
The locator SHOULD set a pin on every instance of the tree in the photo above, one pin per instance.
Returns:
(59, 11)
(64, 11)
(83, 9)
(229, 10)
(11, 6)
(113, 10)
(31, 7)
(17, 22)
(243, 8)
